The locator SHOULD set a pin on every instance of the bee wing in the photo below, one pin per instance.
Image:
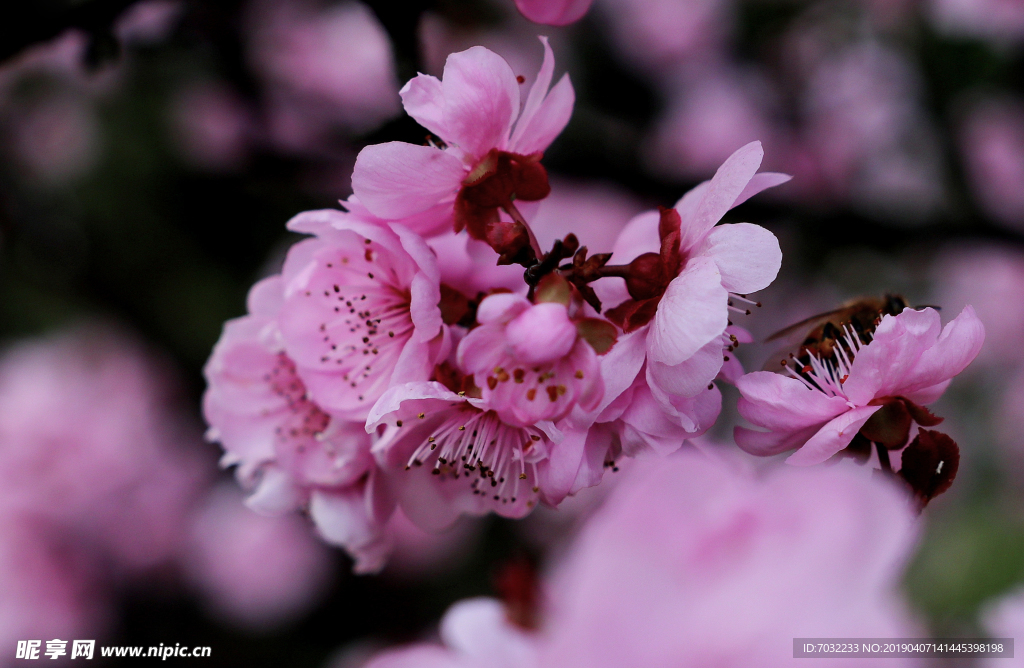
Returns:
(805, 325)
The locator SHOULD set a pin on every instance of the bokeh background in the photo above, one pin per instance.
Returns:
(151, 152)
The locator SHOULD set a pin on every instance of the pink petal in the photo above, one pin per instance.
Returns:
(721, 194)
(538, 91)
(957, 346)
(266, 297)
(760, 182)
(691, 376)
(748, 256)
(691, 314)
(881, 367)
(559, 471)
(833, 437)
(620, 366)
(639, 236)
(768, 443)
(781, 403)
(694, 415)
(416, 394)
(342, 519)
(550, 119)
(554, 12)
(646, 426)
(423, 99)
(481, 98)
(276, 493)
(501, 307)
(481, 349)
(396, 180)
(595, 454)
(542, 333)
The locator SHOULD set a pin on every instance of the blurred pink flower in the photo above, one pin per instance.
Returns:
(695, 561)
(211, 125)
(692, 562)
(325, 67)
(867, 131)
(56, 138)
(473, 109)
(88, 443)
(908, 362)
(658, 35)
(46, 590)
(997, 20)
(96, 483)
(553, 12)
(1003, 618)
(712, 112)
(992, 143)
(255, 571)
(991, 279)
(149, 21)
(529, 360)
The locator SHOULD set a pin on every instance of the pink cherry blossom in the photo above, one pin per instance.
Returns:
(452, 454)
(553, 12)
(696, 562)
(909, 360)
(288, 449)
(360, 310)
(529, 360)
(475, 110)
(254, 571)
(701, 273)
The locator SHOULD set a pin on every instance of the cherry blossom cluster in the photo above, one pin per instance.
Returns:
(422, 351)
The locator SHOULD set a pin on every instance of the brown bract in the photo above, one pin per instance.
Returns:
(497, 181)
(647, 277)
(930, 464)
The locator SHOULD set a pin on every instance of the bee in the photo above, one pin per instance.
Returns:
(829, 329)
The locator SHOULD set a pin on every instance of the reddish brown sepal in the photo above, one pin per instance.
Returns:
(511, 241)
(930, 464)
(632, 315)
(454, 305)
(497, 180)
(600, 334)
(890, 425)
(647, 277)
(518, 586)
(921, 415)
(455, 380)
